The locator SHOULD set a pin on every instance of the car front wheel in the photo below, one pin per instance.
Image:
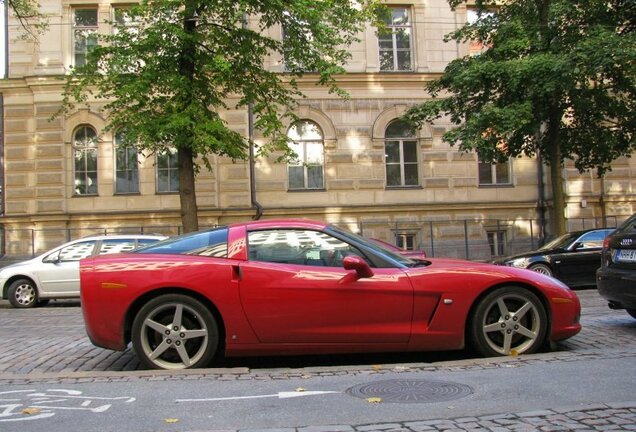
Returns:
(22, 294)
(508, 321)
(175, 331)
(541, 268)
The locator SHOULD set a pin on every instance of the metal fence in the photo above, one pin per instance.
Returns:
(479, 240)
(469, 239)
(24, 243)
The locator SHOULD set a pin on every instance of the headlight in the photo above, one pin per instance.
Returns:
(519, 263)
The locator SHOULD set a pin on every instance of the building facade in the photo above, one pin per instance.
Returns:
(362, 167)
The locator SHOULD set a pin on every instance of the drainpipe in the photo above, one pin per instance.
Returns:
(250, 126)
(5, 12)
(541, 203)
(601, 202)
(255, 203)
(2, 188)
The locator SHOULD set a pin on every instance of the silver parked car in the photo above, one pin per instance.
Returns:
(55, 274)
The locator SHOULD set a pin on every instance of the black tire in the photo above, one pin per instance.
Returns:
(166, 339)
(508, 321)
(632, 312)
(22, 293)
(542, 269)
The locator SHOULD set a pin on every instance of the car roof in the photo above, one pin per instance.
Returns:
(282, 223)
(121, 236)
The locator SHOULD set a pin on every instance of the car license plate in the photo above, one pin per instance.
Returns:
(626, 255)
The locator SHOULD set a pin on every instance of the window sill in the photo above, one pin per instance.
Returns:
(306, 190)
(500, 185)
(403, 187)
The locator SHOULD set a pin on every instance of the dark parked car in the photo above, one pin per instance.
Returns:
(616, 279)
(572, 258)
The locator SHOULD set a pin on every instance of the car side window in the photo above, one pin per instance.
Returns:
(113, 246)
(212, 243)
(593, 239)
(77, 251)
(301, 247)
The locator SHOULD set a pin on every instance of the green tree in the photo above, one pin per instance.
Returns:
(166, 76)
(556, 77)
(28, 15)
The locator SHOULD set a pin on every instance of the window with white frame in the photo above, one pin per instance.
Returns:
(405, 241)
(85, 161)
(122, 19)
(401, 161)
(396, 41)
(167, 171)
(126, 165)
(494, 174)
(84, 33)
(307, 172)
(497, 242)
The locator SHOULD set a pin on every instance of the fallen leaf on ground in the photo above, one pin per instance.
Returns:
(374, 400)
(31, 411)
(300, 389)
(171, 420)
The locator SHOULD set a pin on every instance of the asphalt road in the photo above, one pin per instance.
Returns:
(52, 378)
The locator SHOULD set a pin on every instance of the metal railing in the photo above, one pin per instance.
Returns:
(468, 239)
(479, 240)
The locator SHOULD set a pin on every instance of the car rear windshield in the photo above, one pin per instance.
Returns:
(205, 243)
(628, 227)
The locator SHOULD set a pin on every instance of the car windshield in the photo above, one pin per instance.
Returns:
(375, 246)
(559, 242)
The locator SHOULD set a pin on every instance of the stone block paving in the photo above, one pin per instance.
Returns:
(49, 345)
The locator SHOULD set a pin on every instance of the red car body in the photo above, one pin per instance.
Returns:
(263, 307)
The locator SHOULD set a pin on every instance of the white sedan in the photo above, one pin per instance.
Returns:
(55, 274)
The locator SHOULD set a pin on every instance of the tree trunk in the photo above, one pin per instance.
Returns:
(556, 178)
(185, 152)
(187, 195)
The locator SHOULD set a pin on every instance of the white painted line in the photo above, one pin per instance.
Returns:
(279, 395)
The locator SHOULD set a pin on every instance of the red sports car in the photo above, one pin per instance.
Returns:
(299, 287)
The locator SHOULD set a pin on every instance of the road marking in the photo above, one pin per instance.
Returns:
(30, 404)
(279, 395)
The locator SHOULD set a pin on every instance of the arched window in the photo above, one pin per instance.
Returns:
(400, 148)
(307, 141)
(85, 161)
(126, 165)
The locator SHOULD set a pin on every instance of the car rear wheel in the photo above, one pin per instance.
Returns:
(541, 268)
(175, 331)
(508, 321)
(22, 294)
(632, 312)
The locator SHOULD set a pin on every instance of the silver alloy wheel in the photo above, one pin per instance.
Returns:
(511, 324)
(541, 269)
(174, 336)
(24, 294)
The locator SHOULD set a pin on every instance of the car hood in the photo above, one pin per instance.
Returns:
(522, 255)
(19, 265)
(484, 273)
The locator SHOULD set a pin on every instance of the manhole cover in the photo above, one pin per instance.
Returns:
(411, 391)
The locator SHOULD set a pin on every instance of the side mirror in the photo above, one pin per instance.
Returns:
(53, 258)
(359, 265)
